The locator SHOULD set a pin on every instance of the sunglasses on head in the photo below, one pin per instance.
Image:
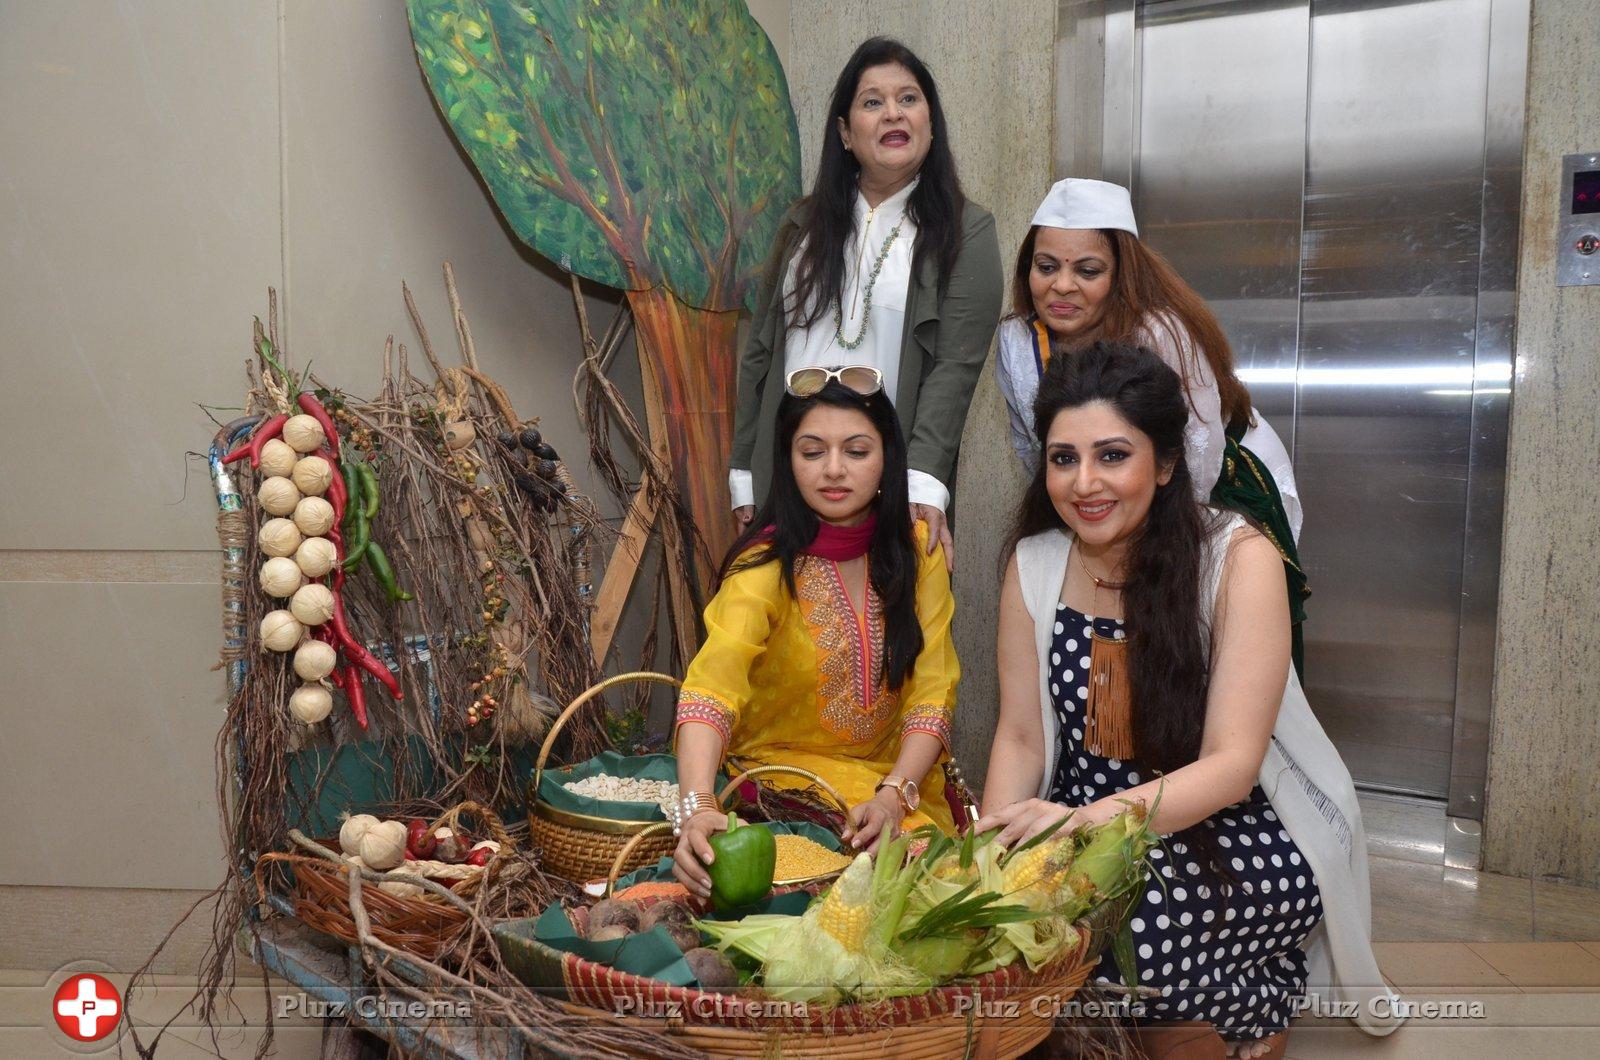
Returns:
(805, 382)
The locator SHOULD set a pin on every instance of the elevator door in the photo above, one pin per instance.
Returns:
(1323, 174)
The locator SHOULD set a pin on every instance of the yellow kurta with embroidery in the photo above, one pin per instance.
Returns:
(798, 680)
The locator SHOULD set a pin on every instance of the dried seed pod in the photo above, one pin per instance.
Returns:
(459, 435)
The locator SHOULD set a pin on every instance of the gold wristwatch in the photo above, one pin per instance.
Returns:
(910, 795)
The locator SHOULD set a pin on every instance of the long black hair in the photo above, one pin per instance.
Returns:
(827, 224)
(892, 558)
(1167, 667)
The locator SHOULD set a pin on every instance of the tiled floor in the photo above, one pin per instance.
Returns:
(1499, 968)
(1447, 936)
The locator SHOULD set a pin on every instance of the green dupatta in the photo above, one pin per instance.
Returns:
(1246, 486)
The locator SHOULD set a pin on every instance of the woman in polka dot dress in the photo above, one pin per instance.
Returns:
(1183, 608)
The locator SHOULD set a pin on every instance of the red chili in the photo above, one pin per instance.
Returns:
(268, 430)
(338, 495)
(357, 653)
(356, 696)
(308, 401)
(336, 576)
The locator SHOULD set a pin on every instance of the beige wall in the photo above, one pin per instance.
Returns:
(165, 162)
(1544, 763)
(992, 63)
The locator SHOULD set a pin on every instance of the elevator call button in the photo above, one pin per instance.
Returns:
(1578, 223)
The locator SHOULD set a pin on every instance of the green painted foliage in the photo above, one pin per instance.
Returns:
(634, 142)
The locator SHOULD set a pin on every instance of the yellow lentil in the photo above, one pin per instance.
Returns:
(801, 858)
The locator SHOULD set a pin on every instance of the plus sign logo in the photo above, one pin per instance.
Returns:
(87, 1007)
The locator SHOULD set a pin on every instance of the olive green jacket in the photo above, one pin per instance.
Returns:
(942, 351)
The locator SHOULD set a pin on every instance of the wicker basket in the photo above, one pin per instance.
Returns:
(624, 862)
(576, 846)
(426, 925)
(1003, 1013)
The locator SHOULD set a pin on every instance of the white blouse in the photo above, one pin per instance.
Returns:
(1204, 438)
(818, 345)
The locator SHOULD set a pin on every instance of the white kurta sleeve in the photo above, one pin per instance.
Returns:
(923, 488)
(742, 488)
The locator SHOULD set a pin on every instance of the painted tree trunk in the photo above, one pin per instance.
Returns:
(694, 357)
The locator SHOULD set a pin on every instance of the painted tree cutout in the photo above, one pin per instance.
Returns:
(645, 145)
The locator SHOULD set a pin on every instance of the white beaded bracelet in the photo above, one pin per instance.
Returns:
(692, 803)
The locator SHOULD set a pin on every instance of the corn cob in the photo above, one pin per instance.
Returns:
(845, 912)
(1041, 868)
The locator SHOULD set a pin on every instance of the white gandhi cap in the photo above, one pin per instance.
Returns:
(1077, 203)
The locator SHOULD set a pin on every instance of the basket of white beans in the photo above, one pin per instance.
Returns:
(663, 793)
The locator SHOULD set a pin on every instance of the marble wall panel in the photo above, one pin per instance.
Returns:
(1544, 760)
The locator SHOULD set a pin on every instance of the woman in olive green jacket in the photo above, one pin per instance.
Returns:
(885, 265)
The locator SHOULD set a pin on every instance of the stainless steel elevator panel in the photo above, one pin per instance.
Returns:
(1221, 168)
(1394, 187)
(1338, 178)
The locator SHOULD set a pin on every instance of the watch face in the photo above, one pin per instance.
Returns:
(911, 794)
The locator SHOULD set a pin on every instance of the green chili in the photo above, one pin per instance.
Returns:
(369, 487)
(379, 562)
(358, 539)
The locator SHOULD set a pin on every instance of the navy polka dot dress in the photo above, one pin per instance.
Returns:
(1234, 961)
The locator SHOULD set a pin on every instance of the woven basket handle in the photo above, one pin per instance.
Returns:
(572, 708)
(451, 819)
(627, 849)
(727, 790)
(827, 789)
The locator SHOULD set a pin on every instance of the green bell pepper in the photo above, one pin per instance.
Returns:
(745, 857)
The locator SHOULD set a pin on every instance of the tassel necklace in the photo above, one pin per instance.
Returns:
(1108, 712)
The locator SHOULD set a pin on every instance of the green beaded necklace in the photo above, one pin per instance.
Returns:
(866, 313)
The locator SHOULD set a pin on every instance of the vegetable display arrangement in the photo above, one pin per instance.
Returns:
(442, 854)
(898, 926)
(314, 498)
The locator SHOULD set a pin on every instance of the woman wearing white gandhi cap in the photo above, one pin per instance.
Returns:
(1083, 276)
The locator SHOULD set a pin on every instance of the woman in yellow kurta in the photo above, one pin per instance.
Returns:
(828, 642)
